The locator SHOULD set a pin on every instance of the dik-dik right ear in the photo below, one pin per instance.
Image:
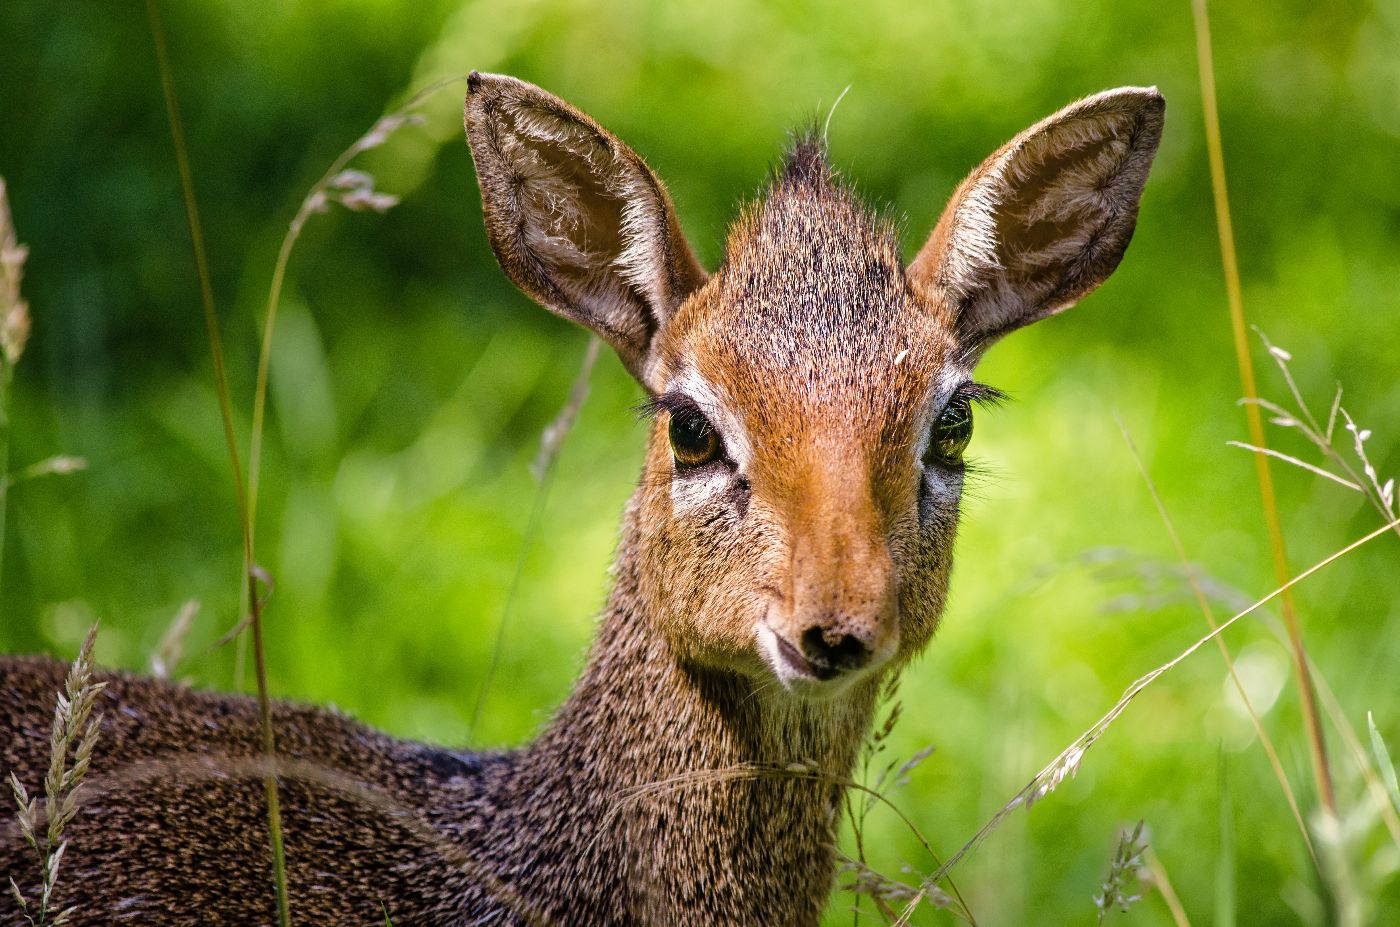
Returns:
(576, 218)
(1045, 219)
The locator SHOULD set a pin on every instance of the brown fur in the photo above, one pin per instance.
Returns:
(690, 777)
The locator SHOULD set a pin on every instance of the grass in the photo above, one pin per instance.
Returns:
(211, 319)
(1203, 603)
(1235, 299)
(75, 726)
(1158, 878)
(1387, 768)
(1066, 764)
(1119, 888)
(543, 468)
(75, 729)
(14, 335)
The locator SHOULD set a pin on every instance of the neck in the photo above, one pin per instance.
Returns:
(681, 794)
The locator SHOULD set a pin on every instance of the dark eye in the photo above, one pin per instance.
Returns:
(694, 440)
(951, 433)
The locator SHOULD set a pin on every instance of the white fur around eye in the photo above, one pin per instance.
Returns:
(694, 491)
(732, 433)
(704, 487)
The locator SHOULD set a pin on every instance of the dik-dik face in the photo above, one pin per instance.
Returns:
(813, 398)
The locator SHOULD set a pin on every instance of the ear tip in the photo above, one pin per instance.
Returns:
(482, 90)
(1142, 99)
(1150, 98)
(481, 83)
(1145, 106)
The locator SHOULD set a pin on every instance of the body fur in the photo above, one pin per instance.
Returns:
(787, 551)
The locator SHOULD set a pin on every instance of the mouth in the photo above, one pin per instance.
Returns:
(796, 673)
(800, 664)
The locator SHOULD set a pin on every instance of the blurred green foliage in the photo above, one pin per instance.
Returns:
(411, 383)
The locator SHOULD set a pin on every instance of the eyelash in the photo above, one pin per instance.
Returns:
(980, 394)
(667, 402)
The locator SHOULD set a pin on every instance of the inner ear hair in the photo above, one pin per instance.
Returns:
(1045, 219)
(575, 217)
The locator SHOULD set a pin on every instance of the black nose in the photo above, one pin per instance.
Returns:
(833, 652)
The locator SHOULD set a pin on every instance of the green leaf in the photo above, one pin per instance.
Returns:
(1383, 761)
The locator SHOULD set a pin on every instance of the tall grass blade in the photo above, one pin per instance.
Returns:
(1383, 762)
(1225, 864)
(1225, 228)
(211, 319)
(543, 466)
(1390, 812)
(1163, 883)
(352, 189)
(355, 191)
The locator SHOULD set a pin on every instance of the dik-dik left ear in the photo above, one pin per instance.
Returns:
(575, 217)
(1044, 220)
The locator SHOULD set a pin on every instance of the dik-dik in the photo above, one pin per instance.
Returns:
(786, 551)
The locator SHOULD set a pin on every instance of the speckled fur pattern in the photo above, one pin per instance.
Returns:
(692, 777)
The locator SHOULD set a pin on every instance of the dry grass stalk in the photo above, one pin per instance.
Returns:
(885, 893)
(553, 437)
(1347, 463)
(353, 189)
(171, 649)
(15, 323)
(1066, 764)
(1368, 482)
(1203, 603)
(14, 311)
(855, 874)
(14, 333)
(75, 730)
(1157, 877)
(1225, 227)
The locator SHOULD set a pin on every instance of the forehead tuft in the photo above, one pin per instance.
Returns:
(812, 281)
(806, 162)
(809, 214)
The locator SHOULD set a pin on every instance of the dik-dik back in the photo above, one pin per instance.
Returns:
(788, 548)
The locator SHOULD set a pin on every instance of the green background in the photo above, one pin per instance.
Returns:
(411, 383)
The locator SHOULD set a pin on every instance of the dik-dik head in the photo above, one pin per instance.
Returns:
(814, 396)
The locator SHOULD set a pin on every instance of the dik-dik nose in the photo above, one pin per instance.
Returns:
(840, 616)
(832, 651)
